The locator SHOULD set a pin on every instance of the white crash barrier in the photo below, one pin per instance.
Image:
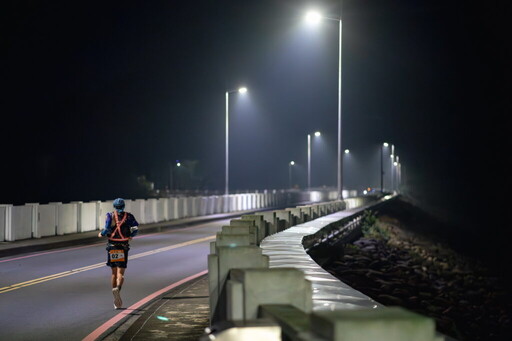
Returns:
(86, 216)
(5, 220)
(66, 218)
(149, 212)
(36, 220)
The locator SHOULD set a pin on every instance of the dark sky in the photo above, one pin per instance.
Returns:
(98, 93)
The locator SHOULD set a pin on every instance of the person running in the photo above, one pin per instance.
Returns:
(120, 228)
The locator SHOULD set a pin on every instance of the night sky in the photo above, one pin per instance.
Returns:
(97, 94)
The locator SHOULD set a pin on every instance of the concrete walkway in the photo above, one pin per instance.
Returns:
(182, 314)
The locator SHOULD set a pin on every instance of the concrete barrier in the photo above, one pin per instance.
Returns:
(86, 216)
(390, 324)
(21, 222)
(247, 289)
(219, 265)
(66, 218)
(6, 223)
(162, 209)
(47, 220)
(283, 220)
(252, 227)
(257, 221)
(138, 209)
(42, 220)
(269, 217)
(103, 208)
(150, 214)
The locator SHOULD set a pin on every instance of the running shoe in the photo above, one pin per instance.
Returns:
(118, 303)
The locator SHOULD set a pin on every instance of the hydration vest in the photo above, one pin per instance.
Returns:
(117, 235)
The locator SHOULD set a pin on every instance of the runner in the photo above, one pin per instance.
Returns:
(120, 227)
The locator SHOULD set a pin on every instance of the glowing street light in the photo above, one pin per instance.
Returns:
(241, 90)
(315, 17)
(317, 134)
(347, 151)
(292, 163)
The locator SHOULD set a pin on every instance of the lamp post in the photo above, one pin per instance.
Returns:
(309, 157)
(242, 91)
(315, 17)
(173, 182)
(392, 156)
(397, 172)
(385, 144)
(290, 173)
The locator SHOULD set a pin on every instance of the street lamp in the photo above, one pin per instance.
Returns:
(313, 18)
(384, 145)
(242, 90)
(290, 173)
(171, 175)
(317, 133)
(392, 156)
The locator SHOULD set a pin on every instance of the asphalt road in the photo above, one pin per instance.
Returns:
(65, 294)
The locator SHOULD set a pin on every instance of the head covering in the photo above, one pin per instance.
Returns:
(119, 205)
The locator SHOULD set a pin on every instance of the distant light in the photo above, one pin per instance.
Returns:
(317, 133)
(162, 318)
(347, 151)
(292, 163)
(386, 144)
(242, 90)
(178, 164)
(364, 192)
(395, 163)
(391, 156)
(313, 17)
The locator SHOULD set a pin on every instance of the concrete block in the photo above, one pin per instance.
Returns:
(150, 215)
(213, 282)
(219, 265)
(21, 227)
(256, 330)
(272, 286)
(86, 216)
(270, 221)
(103, 209)
(306, 212)
(234, 240)
(236, 229)
(6, 233)
(137, 209)
(252, 227)
(234, 295)
(295, 323)
(259, 223)
(47, 219)
(66, 218)
(284, 220)
(390, 324)
(162, 209)
(296, 215)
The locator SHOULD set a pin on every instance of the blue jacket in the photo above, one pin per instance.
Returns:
(129, 227)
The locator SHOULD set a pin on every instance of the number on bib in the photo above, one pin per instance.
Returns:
(116, 255)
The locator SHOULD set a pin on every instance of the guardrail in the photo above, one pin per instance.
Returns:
(273, 288)
(34, 220)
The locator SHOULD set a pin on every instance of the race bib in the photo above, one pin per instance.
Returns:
(116, 255)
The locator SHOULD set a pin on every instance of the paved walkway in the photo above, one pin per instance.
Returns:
(181, 314)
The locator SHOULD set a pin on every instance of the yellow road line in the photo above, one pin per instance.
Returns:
(98, 265)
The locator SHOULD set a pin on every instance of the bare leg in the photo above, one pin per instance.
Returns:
(114, 277)
(120, 277)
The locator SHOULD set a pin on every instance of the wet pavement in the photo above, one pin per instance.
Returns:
(181, 314)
